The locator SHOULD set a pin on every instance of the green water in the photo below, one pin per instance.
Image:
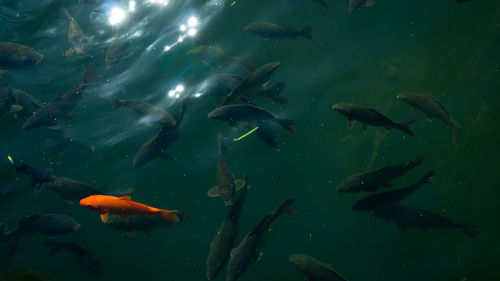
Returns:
(445, 49)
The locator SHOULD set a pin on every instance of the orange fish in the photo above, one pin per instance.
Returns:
(123, 206)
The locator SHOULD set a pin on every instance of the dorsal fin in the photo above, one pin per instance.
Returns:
(125, 198)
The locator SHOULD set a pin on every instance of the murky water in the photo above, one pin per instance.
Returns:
(442, 48)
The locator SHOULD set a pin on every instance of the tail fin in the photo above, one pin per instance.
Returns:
(468, 229)
(286, 123)
(184, 214)
(307, 32)
(274, 91)
(115, 103)
(169, 215)
(405, 127)
(220, 141)
(284, 207)
(89, 78)
(245, 62)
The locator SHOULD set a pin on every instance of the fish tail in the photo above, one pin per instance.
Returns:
(286, 123)
(115, 103)
(245, 62)
(307, 32)
(89, 78)
(169, 215)
(467, 229)
(405, 127)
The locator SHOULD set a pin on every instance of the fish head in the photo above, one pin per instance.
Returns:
(91, 202)
(345, 185)
(299, 261)
(342, 108)
(217, 114)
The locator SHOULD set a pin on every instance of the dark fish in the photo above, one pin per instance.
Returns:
(143, 223)
(432, 108)
(47, 224)
(315, 270)
(356, 4)
(405, 216)
(378, 200)
(14, 55)
(247, 251)
(226, 184)
(157, 145)
(221, 246)
(61, 106)
(277, 31)
(70, 189)
(372, 180)
(250, 84)
(217, 55)
(265, 132)
(150, 114)
(369, 116)
(38, 175)
(75, 35)
(86, 258)
(245, 112)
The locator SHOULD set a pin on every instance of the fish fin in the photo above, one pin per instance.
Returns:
(69, 52)
(289, 210)
(104, 217)
(350, 123)
(38, 188)
(213, 192)
(16, 108)
(286, 123)
(307, 32)
(245, 62)
(125, 197)
(70, 116)
(169, 215)
(365, 128)
(239, 184)
(124, 218)
(131, 234)
(89, 78)
(369, 3)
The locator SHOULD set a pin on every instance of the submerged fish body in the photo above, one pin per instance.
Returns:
(247, 251)
(250, 84)
(143, 223)
(277, 31)
(372, 180)
(378, 200)
(217, 55)
(123, 206)
(70, 189)
(220, 247)
(47, 224)
(38, 175)
(406, 216)
(245, 112)
(87, 260)
(148, 112)
(432, 108)
(25, 104)
(61, 106)
(315, 270)
(75, 35)
(225, 179)
(369, 116)
(13, 55)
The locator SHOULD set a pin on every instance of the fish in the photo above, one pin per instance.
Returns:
(406, 216)
(226, 184)
(315, 270)
(373, 179)
(383, 199)
(265, 132)
(143, 223)
(250, 84)
(24, 104)
(63, 141)
(369, 116)
(277, 31)
(247, 252)
(218, 56)
(61, 106)
(85, 257)
(38, 175)
(246, 112)
(13, 55)
(157, 145)
(221, 245)
(71, 190)
(432, 108)
(356, 4)
(49, 224)
(75, 35)
(123, 206)
(150, 114)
